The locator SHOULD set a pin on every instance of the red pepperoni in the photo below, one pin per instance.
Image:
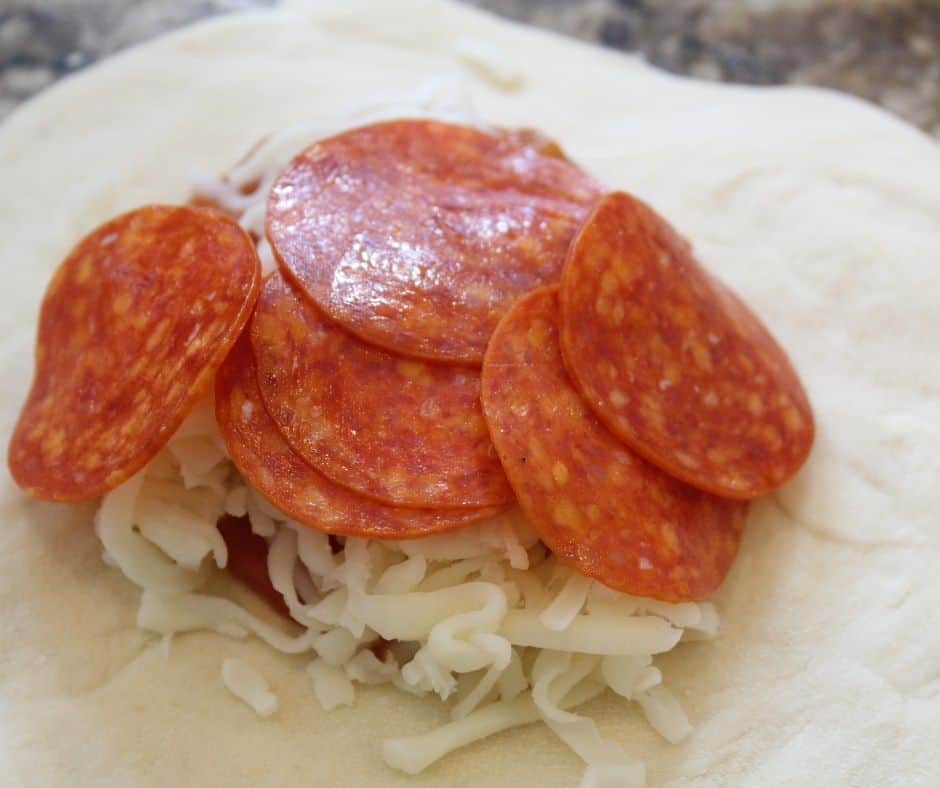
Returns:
(397, 430)
(599, 507)
(293, 486)
(248, 560)
(672, 361)
(133, 325)
(418, 235)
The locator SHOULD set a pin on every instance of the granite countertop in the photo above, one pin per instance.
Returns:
(887, 51)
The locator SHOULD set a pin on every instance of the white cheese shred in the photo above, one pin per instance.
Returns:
(665, 714)
(246, 684)
(331, 685)
(569, 602)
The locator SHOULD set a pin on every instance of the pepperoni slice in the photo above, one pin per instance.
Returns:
(417, 235)
(673, 362)
(397, 430)
(597, 505)
(132, 327)
(296, 488)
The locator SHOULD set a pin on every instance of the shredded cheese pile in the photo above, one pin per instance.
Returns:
(485, 618)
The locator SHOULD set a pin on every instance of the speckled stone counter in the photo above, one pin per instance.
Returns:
(887, 51)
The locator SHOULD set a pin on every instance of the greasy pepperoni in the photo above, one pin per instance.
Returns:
(597, 505)
(296, 488)
(672, 361)
(248, 560)
(132, 327)
(418, 235)
(400, 431)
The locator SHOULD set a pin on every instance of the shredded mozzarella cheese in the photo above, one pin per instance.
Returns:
(484, 618)
(245, 683)
(331, 685)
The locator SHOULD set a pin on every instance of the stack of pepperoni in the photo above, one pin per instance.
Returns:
(461, 320)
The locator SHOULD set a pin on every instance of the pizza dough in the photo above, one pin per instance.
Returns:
(821, 211)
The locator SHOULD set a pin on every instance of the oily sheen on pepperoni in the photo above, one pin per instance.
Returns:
(673, 362)
(294, 486)
(133, 325)
(597, 505)
(400, 431)
(417, 235)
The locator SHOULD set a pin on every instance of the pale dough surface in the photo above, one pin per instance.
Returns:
(822, 211)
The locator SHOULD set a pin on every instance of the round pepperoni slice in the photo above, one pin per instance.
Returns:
(132, 327)
(417, 235)
(597, 505)
(673, 362)
(397, 430)
(295, 487)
